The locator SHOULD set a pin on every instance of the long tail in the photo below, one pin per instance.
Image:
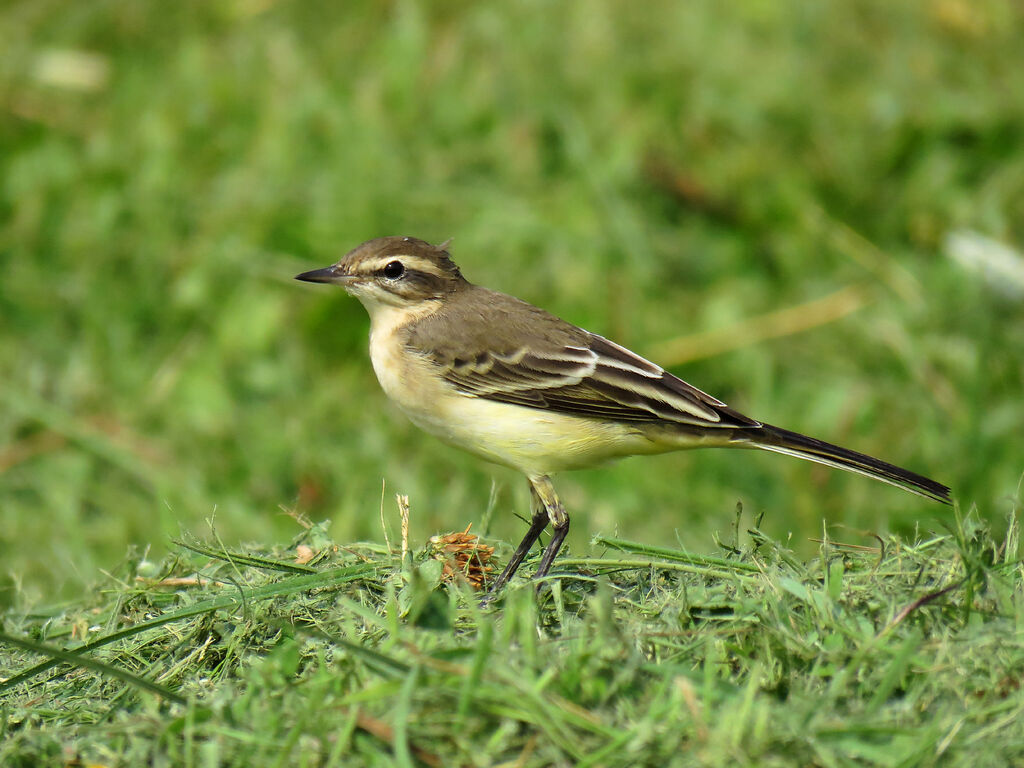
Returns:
(781, 440)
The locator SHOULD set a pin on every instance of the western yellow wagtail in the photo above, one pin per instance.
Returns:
(509, 382)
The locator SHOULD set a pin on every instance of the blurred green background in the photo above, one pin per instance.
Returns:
(655, 172)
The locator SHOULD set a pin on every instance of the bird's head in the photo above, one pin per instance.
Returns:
(393, 271)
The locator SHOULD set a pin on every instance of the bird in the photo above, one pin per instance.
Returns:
(517, 386)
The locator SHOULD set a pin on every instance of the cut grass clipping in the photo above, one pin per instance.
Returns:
(875, 652)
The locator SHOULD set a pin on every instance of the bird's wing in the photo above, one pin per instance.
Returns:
(595, 378)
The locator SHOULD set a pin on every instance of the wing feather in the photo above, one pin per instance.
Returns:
(601, 380)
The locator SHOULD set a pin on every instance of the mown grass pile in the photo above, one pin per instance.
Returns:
(885, 652)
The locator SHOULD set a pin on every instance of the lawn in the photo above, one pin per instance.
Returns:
(814, 212)
(892, 654)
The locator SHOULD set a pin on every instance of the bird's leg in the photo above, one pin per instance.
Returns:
(537, 524)
(559, 522)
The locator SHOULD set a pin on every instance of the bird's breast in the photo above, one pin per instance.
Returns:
(406, 377)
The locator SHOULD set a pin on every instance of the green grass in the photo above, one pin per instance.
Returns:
(655, 174)
(883, 654)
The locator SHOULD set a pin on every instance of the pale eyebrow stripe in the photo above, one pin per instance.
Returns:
(412, 263)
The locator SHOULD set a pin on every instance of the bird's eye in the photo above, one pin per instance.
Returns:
(393, 270)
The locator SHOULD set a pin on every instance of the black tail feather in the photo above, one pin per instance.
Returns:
(794, 444)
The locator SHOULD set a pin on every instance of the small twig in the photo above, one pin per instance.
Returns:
(685, 687)
(527, 752)
(921, 601)
(298, 516)
(843, 545)
(880, 549)
(180, 581)
(386, 733)
(403, 513)
(23, 450)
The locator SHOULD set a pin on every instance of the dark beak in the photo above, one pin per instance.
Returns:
(326, 275)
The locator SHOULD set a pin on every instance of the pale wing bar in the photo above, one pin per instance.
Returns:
(602, 380)
(617, 367)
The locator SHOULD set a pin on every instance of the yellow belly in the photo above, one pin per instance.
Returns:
(534, 441)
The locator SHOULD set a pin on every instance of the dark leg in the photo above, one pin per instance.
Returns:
(552, 548)
(559, 522)
(537, 524)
